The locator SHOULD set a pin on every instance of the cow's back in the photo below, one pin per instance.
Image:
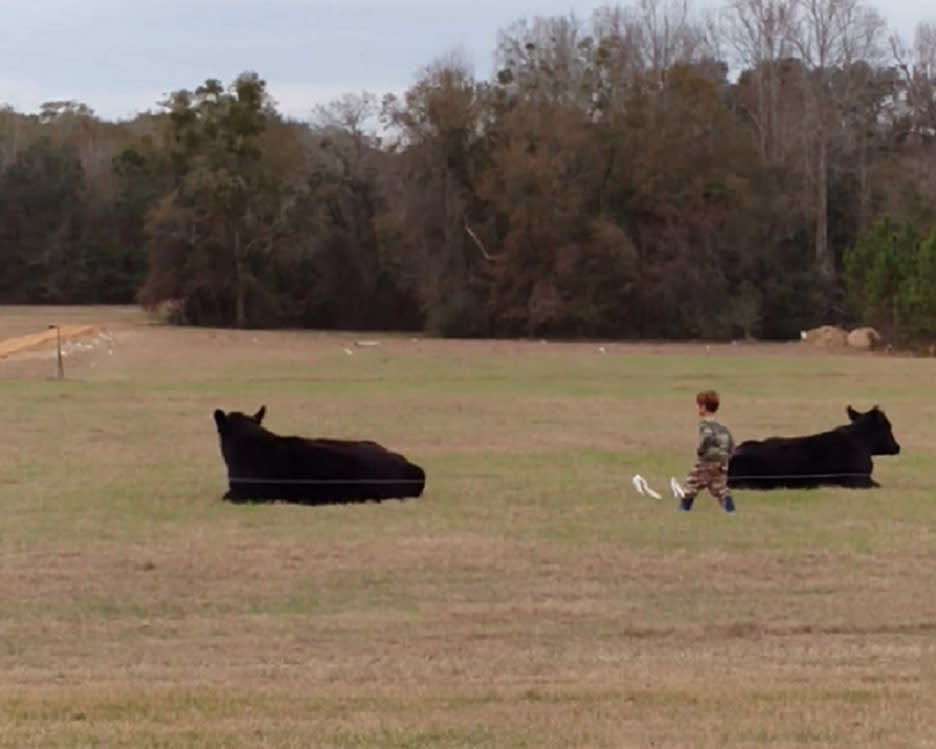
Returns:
(833, 457)
(329, 470)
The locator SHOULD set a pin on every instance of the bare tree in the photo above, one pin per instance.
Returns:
(616, 61)
(917, 65)
(669, 34)
(543, 60)
(830, 35)
(349, 113)
(759, 32)
(10, 136)
(913, 111)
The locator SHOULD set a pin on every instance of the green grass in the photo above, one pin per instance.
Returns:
(530, 598)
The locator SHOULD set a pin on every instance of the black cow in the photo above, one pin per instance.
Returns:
(840, 457)
(263, 466)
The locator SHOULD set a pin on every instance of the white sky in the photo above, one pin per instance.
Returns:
(121, 56)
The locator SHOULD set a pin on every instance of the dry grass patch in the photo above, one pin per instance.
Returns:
(45, 339)
(529, 599)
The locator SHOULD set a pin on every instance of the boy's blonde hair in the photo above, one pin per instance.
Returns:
(709, 399)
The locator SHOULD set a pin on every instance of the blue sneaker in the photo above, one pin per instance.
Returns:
(685, 504)
(729, 504)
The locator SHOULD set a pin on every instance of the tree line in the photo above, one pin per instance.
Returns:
(648, 172)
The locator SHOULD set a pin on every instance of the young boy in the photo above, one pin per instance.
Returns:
(712, 455)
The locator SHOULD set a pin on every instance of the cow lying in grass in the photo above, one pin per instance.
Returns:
(840, 457)
(263, 466)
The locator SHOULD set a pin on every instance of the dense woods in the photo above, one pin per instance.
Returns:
(646, 172)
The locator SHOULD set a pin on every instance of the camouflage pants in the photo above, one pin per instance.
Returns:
(711, 476)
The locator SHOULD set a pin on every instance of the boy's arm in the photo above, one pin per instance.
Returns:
(706, 438)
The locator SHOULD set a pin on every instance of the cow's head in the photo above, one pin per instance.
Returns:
(227, 422)
(875, 430)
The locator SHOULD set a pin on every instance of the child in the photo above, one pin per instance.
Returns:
(713, 453)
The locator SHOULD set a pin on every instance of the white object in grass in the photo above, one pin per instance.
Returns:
(678, 491)
(642, 487)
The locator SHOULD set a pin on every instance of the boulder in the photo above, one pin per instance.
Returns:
(864, 339)
(828, 336)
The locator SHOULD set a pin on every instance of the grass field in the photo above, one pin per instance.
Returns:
(530, 599)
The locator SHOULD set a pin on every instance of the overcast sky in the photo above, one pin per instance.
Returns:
(121, 56)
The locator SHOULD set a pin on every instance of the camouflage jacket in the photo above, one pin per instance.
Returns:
(715, 442)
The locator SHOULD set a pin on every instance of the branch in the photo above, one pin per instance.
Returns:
(479, 243)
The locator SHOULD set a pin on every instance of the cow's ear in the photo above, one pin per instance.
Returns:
(220, 418)
(852, 413)
(258, 417)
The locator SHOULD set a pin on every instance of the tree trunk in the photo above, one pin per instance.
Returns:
(824, 258)
(764, 114)
(864, 183)
(240, 302)
(775, 152)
